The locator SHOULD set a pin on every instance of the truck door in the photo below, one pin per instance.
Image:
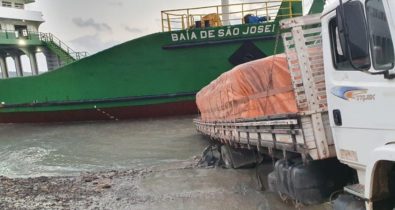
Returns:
(361, 92)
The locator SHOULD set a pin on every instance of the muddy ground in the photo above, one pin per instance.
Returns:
(180, 185)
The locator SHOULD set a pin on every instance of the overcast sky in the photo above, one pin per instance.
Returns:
(94, 25)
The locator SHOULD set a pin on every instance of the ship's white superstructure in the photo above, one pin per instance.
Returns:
(13, 16)
(20, 36)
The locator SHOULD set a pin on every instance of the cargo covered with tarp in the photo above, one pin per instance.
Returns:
(251, 90)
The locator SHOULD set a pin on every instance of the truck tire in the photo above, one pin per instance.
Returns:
(226, 156)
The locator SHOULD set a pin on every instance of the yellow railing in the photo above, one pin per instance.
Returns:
(182, 19)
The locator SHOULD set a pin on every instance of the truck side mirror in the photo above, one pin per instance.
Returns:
(353, 35)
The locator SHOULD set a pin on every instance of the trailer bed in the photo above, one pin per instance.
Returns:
(286, 133)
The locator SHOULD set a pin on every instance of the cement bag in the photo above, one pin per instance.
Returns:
(255, 89)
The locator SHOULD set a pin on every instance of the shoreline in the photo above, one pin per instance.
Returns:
(84, 191)
(178, 185)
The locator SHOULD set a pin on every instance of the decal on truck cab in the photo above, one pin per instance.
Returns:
(353, 94)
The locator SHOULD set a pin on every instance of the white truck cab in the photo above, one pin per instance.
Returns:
(359, 72)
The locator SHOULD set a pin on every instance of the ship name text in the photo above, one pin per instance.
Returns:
(222, 33)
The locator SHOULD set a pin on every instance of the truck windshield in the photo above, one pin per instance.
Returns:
(381, 42)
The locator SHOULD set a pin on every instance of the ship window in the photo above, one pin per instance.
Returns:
(6, 4)
(380, 36)
(21, 30)
(19, 5)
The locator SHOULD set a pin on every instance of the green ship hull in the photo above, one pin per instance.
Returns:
(155, 75)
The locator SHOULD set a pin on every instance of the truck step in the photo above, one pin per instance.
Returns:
(356, 190)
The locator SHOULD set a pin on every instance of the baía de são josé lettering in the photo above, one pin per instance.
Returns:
(222, 33)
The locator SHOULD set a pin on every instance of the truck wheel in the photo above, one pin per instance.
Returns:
(227, 157)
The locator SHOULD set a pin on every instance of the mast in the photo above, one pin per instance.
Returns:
(225, 12)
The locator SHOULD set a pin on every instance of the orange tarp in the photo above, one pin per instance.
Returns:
(255, 89)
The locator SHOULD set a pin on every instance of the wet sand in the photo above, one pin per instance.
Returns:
(147, 164)
(178, 185)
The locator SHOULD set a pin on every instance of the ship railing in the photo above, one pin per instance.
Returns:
(52, 39)
(79, 55)
(19, 35)
(231, 14)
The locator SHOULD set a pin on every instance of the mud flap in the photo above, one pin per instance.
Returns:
(272, 182)
(263, 174)
(238, 158)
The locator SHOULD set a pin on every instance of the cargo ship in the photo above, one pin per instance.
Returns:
(151, 76)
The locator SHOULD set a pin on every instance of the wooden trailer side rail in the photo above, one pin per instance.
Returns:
(294, 134)
(283, 135)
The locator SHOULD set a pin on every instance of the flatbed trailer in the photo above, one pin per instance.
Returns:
(307, 132)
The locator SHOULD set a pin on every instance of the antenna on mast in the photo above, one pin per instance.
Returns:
(225, 12)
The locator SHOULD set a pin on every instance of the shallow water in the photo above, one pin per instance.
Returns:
(162, 145)
(67, 149)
